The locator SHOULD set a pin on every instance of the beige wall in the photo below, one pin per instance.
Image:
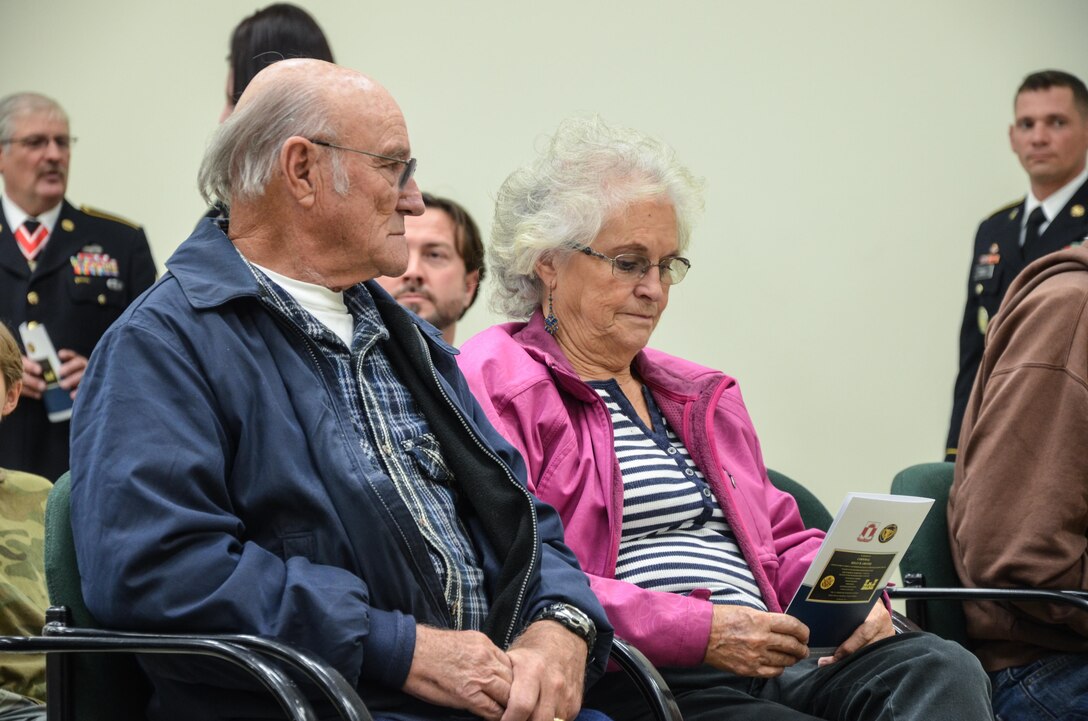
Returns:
(849, 149)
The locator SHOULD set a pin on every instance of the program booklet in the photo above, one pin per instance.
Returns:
(39, 348)
(858, 556)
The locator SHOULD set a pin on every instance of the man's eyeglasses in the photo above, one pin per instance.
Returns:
(409, 165)
(634, 267)
(40, 142)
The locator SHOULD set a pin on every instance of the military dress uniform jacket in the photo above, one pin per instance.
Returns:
(90, 269)
(997, 259)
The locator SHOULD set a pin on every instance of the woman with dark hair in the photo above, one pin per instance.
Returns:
(273, 33)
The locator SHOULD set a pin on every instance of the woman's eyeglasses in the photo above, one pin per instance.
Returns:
(634, 267)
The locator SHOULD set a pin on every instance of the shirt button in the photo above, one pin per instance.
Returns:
(32, 297)
(672, 451)
(706, 492)
(689, 472)
(978, 289)
(101, 298)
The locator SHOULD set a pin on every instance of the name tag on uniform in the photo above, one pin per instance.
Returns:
(986, 262)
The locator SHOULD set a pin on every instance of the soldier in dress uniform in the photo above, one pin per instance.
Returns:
(73, 270)
(1049, 135)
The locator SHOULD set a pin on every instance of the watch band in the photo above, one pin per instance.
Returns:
(573, 619)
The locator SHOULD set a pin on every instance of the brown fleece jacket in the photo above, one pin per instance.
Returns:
(1018, 511)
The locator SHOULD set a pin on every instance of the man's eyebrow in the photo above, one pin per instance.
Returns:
(1047, 116)
(400, 152)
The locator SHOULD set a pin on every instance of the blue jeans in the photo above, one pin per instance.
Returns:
(1055, 687)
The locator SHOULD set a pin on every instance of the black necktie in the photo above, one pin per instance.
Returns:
(1031, 232)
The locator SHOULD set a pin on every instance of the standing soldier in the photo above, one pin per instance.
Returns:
(72, 270)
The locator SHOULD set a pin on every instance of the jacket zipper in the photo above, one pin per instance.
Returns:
(308, 343)
(755, 564)
(506, 471)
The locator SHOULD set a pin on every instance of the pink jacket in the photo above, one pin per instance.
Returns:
(531, 393)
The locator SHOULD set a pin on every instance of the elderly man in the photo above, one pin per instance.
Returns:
(445, 265)
(72, 270)
(1049, 135)
(293, 454)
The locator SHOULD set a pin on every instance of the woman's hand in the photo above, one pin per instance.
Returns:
(748, 642)
(877, 625)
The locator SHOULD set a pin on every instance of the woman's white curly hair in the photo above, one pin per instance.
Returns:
(589, 172)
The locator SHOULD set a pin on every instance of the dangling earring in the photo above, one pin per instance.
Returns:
(551, 323)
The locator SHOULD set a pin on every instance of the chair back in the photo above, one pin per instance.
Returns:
(813, 512)
(929, 559)
(88, 687)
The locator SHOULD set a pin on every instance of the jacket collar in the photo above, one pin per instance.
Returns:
(210, 270)
(56, 251)
(1070, 217)
(544, 349)
(653, 367)
(10, 256)
(65, 240)
(1067, 260)
(386, 305)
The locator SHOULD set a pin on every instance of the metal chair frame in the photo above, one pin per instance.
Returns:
(271, 662)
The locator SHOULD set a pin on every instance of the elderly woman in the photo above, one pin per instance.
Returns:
(653, 463)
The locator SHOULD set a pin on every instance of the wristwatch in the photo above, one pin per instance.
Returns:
(573, 619)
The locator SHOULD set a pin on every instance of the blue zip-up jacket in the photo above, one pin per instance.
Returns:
(218, 486)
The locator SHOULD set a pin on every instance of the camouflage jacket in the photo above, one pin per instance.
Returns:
(23, 596)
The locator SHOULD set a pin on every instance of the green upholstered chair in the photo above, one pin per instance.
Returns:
(114, 680)
(813, 512)
(928, 561)
(931, 586)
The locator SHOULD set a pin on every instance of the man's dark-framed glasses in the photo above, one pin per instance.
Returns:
(634, 267)
(40, 142)
(409, 165)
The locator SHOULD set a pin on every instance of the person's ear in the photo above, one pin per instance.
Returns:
(472, 286)
(298, 163)
(547, 270)
(11, 398)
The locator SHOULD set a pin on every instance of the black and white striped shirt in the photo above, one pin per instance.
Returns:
(675, 537)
